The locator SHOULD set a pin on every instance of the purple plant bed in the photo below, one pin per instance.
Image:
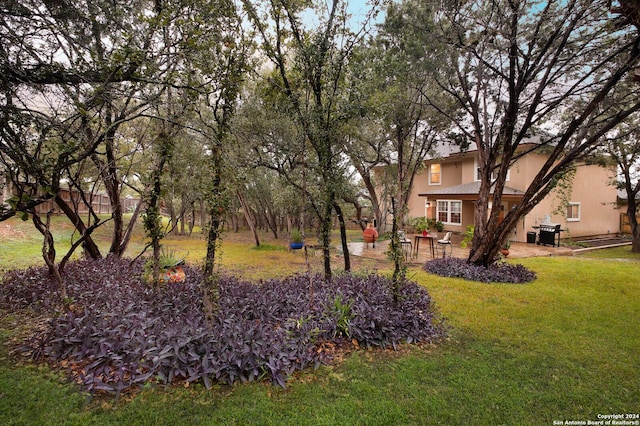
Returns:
(496, 273)
(121, 333)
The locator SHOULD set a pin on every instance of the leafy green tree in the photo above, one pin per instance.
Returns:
(218, 65)
(183, 180)
(276, 172)
(522, 67)
(68, 75)
(310, 63)
(621, 149)
(72, 75)
(402, 64)
(397, 127)
(624, 150)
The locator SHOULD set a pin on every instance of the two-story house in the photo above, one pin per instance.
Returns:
(447, 190)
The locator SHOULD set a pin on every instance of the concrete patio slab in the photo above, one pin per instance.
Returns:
(517, 250)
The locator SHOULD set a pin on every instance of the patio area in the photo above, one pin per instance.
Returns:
(517, 250)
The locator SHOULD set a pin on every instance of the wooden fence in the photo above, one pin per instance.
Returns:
(625, 226)
(99, 202)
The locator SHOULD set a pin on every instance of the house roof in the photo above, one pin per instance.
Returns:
(469, 191)
(445, 150)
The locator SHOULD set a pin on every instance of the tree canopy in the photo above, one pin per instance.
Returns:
(526, 68)
(86, 87)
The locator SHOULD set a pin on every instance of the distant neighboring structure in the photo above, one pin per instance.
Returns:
(625, 226)
(447, 190)
(100, 201)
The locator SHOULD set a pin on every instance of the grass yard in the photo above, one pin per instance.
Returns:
(622, 252)
(565, 347)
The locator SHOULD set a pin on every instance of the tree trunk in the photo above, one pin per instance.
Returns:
(184, 207)
(173, 217)
(361, 223)
(192, 218)
(126, 238)
(343, 238)
(49, 253)
(90, 247)
(396, 253)
(270, 218)
(153, 216)
(211, 290)
(325, 235)
(398, 210)
(203, 216)
(153, 222)
(118, 223)
(109, 176)
(632, 212)
(248, 216)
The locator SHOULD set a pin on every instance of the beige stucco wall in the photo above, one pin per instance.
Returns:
(420, 184)
(598, 214)
(451, 176)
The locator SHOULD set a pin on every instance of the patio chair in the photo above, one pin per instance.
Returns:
(443, 244)
(405, 245)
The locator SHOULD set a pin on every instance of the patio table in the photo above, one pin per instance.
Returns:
(430, 238)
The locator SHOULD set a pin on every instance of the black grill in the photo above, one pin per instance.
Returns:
(549, 234)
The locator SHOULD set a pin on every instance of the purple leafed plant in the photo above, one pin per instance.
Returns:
(121, 332)
(495, 273)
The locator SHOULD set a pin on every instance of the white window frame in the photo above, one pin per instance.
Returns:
(574, 204)
(476, 172)
(430, 173)
(448, 210)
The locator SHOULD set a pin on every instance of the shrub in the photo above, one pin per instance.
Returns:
(166, 261)
(421, 223)
(296, 236)
(122, 333)
(495, 273)
(468, 236)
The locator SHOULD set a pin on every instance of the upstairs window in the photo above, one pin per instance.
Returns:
(435, 174)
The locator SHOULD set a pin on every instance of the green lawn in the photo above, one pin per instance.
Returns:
(622, 252)
(565, 347)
